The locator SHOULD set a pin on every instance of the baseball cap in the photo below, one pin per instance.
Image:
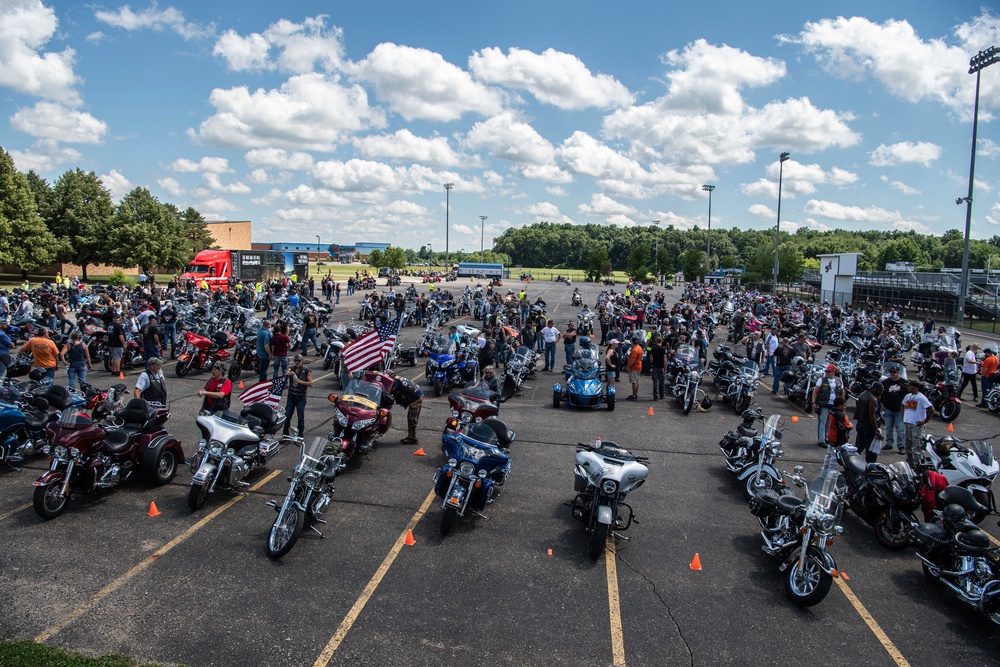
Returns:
(155, 360)
(913, 383)
(831, 367)
(614, 341)
(298, 357)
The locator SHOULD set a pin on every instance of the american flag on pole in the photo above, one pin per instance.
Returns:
(266, 391)
(370, 349)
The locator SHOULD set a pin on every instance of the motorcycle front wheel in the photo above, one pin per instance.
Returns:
(808, 586)
(197, 496)
(598, 541)
(235, 371)
(950, 411)
(993, 403)
(327, 362)
(753, 483)
(48, 501)
(182, 368)
(611, 402)
(892, 531)
(283, 535)
(448, 519)
(741, 404)
(438, 387)
(688, 401)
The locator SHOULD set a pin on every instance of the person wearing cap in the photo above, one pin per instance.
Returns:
(826, 392)
(408, 395)
(550, 335)
(770, 347)
(309, 323)
(299, 381)
(894, 390)
(168, 319)
(986, 374)
(866, 415)
(217, 393)
(917, 411)
(76, 357)
(611, 360)
(802, 348)
(151, 385)
(150, 340)
(569, 342)
(657, 367)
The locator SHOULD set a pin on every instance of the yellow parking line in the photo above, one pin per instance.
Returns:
(15, 511)
(614, 606)
(117, 583)
(883, 639)
(359, 604)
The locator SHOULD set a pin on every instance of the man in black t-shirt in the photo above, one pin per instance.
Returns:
(116, 342)
(893, 391)
(657, 362)
(782, 362)
(168, 318)
(150, 341)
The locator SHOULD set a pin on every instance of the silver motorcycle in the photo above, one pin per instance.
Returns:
(687, 380)
(309, 492)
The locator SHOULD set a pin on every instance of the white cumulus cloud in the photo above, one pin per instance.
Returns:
(206, 165)
(297, 47)
(507, 138)
(170, 186)
(905, 152)
(154, 18)
(279, 158)
(404, 146)
(27, 26)
(797, 179)
(44, 155)
(50, 120)
(602, 205)
(116, 183)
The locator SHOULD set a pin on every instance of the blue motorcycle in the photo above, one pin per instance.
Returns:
(585, 386)
(446, 367)
(22, 427)
(478, 464)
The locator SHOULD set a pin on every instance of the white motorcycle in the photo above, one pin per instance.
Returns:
(966, 463)
(230, 447)
(604, 474)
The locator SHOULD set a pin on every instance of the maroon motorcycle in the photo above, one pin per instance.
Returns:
(201, 353)
(361, 417)
(473, 405)
(91, 457)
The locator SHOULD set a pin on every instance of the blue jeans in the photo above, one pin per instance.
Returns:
(148, 350)
(309, 335)
(570, 350)
(50, 374)
(264, 361)
(280, 367)
(778, 370)
(169, 334)
(822, 423)
(74, 371)
(769, 364)
(295, 404)
(986, 386)
(893, 425)
(550, 355)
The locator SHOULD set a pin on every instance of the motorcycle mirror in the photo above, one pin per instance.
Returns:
(798, 470)
(332, 398)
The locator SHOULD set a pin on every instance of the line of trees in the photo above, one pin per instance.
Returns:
(643, 250)
(75, 221)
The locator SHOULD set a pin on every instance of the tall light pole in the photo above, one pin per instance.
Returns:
(977, 64)
(482, 236)
(708, 189)
(318, 250)
(656, 246)
(777, 227)
(447, 211)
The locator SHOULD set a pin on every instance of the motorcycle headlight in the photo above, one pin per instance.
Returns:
(454, 414)
(609, 486)
(74, 452)
(826, 523)
(60, 452)
(467, 469)
(215, 448)
(364, 423)
(340, 417)
(979, 471)
(312, 478)
(452, 463)
(466, 417)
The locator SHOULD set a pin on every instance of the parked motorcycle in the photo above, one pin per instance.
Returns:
(603, 476)
(801, 380)
(473, 405)
(741, 391)
(231, 448)
(23, 421)
(90, 457)
(883, 496)
(687, 379)
(309, 492)
(520, 366)
(966, 463)
(758, 472)
(201, 353)
(446, 365)
(359, 419)
(955, 553)
(941, 389)
(244, 355)
(478, 464)
(796, 532)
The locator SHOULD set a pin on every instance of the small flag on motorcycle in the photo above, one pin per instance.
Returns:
(267, 391)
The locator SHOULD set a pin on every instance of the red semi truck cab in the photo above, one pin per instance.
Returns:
(215, 267)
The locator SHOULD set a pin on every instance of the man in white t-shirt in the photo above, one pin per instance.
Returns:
(970, 367)
(771, 344)
(550, 336)
(917, 411)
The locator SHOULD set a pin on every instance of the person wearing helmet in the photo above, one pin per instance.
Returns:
(866, 416)
(943, 446)
(987, 373)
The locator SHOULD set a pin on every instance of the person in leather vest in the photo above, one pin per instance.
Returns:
(408, 395)
(217, 391)
(299, 381)
(150, 385)
(827, 390)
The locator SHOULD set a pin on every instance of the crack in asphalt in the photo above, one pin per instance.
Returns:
(680, 633)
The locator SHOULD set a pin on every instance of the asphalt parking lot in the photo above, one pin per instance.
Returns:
(517, 589)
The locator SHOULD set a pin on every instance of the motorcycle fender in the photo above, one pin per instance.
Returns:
(558, 388)
(205, 473)
(612, 391)
(441, 375)
(183, 358)
(457, 496)
(825, 559)
(764, 470)
(979, 487)
(604, 515)
(152, 451)
(50, 477)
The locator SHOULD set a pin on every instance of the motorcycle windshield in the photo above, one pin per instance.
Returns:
(442, 345)
(523, 354)
(947, 341)
(74, 417)
(312, 450)
(686, 355)
(476, 391)
(367, 395)
(772, 427)
(983, 449)
(585, 361)
(823, 490)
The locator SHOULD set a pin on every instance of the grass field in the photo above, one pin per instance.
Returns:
(30, 654)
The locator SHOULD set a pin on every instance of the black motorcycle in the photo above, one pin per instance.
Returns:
(884, 496)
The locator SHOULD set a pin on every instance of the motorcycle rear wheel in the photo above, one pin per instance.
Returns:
(283, 536)
(327, 362)
(556, 399)
(950, 411)
(611, 402)
(235, 371)
(448, 520)
(807, 587)
(598, 541)
(993, 403)
(165, 469)
(48, 502)
(893, 534)
(197, 496)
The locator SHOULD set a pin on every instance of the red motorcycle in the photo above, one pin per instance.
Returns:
(90, 457)
(201, 353)
(131, 353)
(360, 418)
(473, 405)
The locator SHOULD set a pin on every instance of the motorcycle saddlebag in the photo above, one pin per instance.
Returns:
(788, 376)
(929, 539)
(763, 502)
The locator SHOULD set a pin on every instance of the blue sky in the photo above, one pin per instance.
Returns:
(345, 120)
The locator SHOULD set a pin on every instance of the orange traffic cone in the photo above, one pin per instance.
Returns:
(696, 563)
(650, 411)
(241, 384)
(419, 452)
(121, 376)
(951, 427)
(152, 510)
(409, 541)
(795, 419)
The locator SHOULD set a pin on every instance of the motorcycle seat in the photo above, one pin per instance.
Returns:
(746, 432)
(854, 464)
(58, 397)
(35, 421)
(263, 412)
(787, 504)
(136, 414)
(972, 541)
(118, 440)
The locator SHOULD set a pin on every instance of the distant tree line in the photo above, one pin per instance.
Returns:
(599, 249)
(75, 221)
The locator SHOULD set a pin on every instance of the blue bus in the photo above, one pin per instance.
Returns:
(479, 269)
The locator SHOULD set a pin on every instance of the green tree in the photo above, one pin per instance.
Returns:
(81, 214)
(25, 241)
(146, 234)
(42, 192)
(664, 261)
(596, 262)
(197, 237)
(693, 264)
(376, 259)
(636, 267)
(394, 258)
